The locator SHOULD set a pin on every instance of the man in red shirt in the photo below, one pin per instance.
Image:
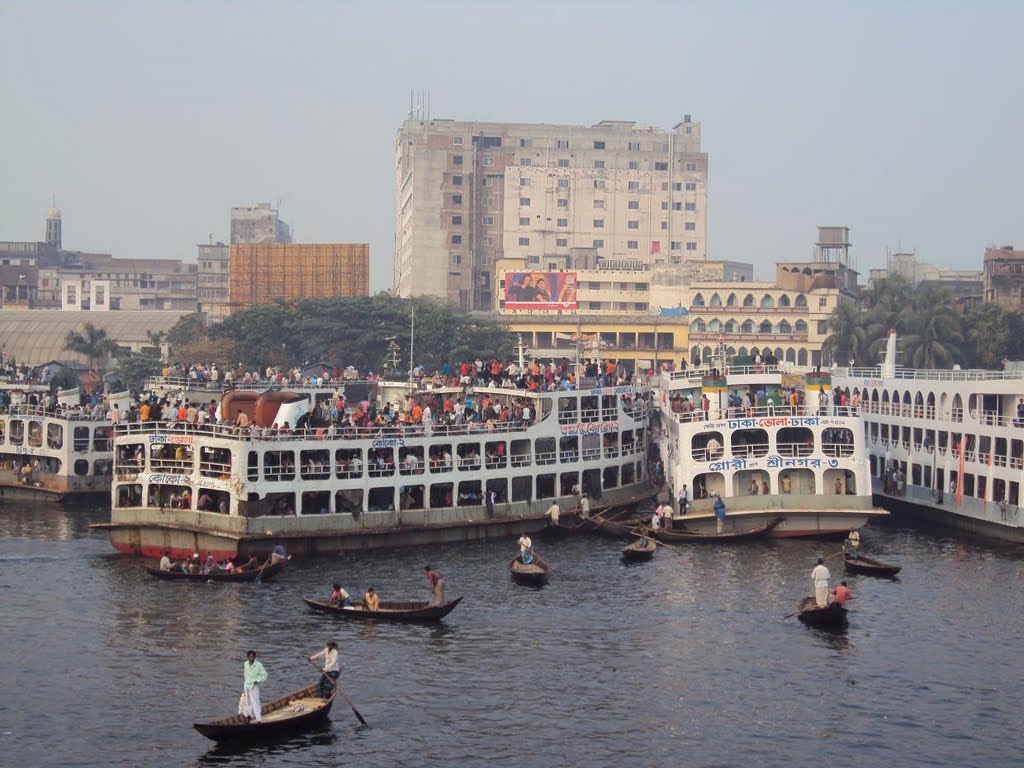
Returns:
(841, 594)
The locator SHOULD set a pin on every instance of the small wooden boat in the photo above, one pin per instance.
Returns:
(870, 567)
(388, 610)
(294, 713)
(529, 573)
(263, 574)
(640, 550)
(742, 534)
(832, 616)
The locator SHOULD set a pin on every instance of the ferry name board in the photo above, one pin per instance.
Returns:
(590, 428)
(778, 421)
(772, 462)
(172, 439)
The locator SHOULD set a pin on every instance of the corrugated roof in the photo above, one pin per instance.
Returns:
(36, 336)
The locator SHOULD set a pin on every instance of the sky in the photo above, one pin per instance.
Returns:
(147, 122)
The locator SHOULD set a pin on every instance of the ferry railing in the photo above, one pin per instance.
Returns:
(590, 454)
(931, 375)
(214, 468)
(547, 457)
(469, 463)
(171, 465)
(53, 413)
(495, 462)
(438, 465)
(794, 449)
(519, 460)
(317, 472)
(278, 474)
(349, 473)
(838, 450)
(768, 411)
(568, 417)
(611, 451)
(756, 450)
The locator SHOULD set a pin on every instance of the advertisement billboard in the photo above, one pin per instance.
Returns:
(540, 290)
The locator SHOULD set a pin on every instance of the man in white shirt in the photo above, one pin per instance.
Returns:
(330, 672)
(554, 512)
(525, 547)
(165, 561)
(820, 577)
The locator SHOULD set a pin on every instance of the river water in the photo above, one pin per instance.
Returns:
(685, 660)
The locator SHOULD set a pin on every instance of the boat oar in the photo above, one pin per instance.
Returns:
(257, 579)
(659, 542)
(790, 615)
(337, 685)
(834, 554)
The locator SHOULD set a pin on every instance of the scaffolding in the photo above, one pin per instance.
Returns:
(267, 272)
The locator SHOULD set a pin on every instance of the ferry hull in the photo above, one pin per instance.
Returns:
(927, 514)
(796, 522)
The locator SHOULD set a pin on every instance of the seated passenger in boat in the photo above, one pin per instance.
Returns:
(210, 565)
(370, 600)
(339, 596)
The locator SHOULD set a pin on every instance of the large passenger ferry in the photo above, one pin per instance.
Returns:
(770, 440)
(945, 446)
(51, 448)
(230, 489)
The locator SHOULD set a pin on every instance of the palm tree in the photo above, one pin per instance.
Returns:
(92, 343)
(932, 329)
(846, 340)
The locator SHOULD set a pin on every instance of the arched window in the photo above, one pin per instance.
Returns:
(785, 327)
(731, 301)
(698, 326)
(748, 300)
(747, 327)
(716, 300)
(801, 358)
(801, 326)
(767, 302)
(801, 300)
(715, 326)
(730, 326)
(742, 351)
(790, 355)
(698, 300)
(783, 300)
(765, 327)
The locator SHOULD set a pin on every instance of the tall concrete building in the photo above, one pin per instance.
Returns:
(258, 224)
(471, 193)
(214, 281)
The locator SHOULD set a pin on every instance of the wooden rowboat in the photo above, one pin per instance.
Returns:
(529, 573)
(388, 610)
(294, 713)
(640, 550)
(265, 574)
(832, 616)
(742, 534)
(870, 567)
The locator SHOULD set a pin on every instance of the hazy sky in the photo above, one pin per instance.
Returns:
(901, 120)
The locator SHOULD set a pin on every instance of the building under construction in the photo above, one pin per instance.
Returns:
(263, 273)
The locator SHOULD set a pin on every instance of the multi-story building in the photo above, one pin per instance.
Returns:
(960, 282)
(260, 274)
(214, 281)
(258, 223)
(1003, 277)
(469, 194)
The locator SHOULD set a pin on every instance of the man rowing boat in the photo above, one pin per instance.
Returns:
(329, 673)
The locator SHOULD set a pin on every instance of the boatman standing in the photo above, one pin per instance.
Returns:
(554, 512)
(436, 586)
(254, 675)
(820, 577)
(525, 549)
(852, 544)
(583, 507)
(330, 656)
(719, 507)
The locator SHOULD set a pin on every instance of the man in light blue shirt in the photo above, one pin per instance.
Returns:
(254, 675)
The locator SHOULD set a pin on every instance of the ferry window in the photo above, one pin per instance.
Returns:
(215, 462)
(795, 441)
(568, 449)
(35, 434)
(54, 435)
(252, 466)
(440, 458)
(589, 410)
(590, 447)
(315, 465)
(129, 495)
(797, 481)
(591, 483)
(750, 483)
(279, 465)
(494, 455)
(611, 477)
(81, 467)
(102, 467)
(545, 486)
(349, 463)
(545, 450)
(410, 461)
(441, 495)
(381, 499)
(628, 475)
(470, 493)
(18, 433)
(520, 453)
(627, 441)
(706, 446)
(349, 502)
(469, 456)
(315, 503)
(521, 488)
(2, 435)
(380, 462)
(500, 488)
(103, 439)
(610, 442)
(837, 442)
(609, 408)
(411, 497)
(707, 483)
(568, 484)
(166, 456)
(280, 504)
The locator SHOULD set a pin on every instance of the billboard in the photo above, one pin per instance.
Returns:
(540, 290)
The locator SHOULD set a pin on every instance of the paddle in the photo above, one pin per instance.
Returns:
(834, 554)
(257, 579)
(337, 685)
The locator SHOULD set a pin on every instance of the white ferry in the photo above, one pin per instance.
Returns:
(782, 452)
(228, 490)
(58, 453)
(945, 446)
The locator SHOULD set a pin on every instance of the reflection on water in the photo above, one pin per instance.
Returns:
(683, 660)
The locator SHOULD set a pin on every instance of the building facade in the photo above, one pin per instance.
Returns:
(470, 194)
(961, 283)
(1003, 277)
(258, 223)
(214, 281)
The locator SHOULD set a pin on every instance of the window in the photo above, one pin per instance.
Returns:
(677, 206)
(691, 186)
(488, 181)
(691, 167)
(524, 241)
(457, 180)
(525, 161)
(599, 163)
(691, 206)
(691, 226)
(664, 225)
(563, 162)
(457, 160)
(664, 147)
(456, 239)
(664, 206)
(598, 145)
(598, 223)
(526, 142)
(455, 258)
(562, 144)
(457, 220)
(599, 203)
(488, 241)
(488, 201)
(633, 224)
(594, 305)
(633, 205)
(563, 202)
(488, 221)
(488, 161)
(598, 244)
(457, 140)
(524, 221)
(456, 199)
(524, 182)
(634, 165)
(634, 146)
(598, 183)
(822, 327)
(677, 186)
(634, 186)
(524, 201)
(632, 244)
(661, 166)
(563, 183)
(563, 222)
(675, 245)
(822, 303)
(562, 242)
(691, 246)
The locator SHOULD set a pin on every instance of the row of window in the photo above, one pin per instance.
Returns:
(747, 326)
(767, 301)
(633, 146)
(100, 437)
(631, 245)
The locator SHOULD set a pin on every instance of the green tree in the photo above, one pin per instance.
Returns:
(931, 329)
(847, 338)
(92, 343)
(990, 333)
(133, 368)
